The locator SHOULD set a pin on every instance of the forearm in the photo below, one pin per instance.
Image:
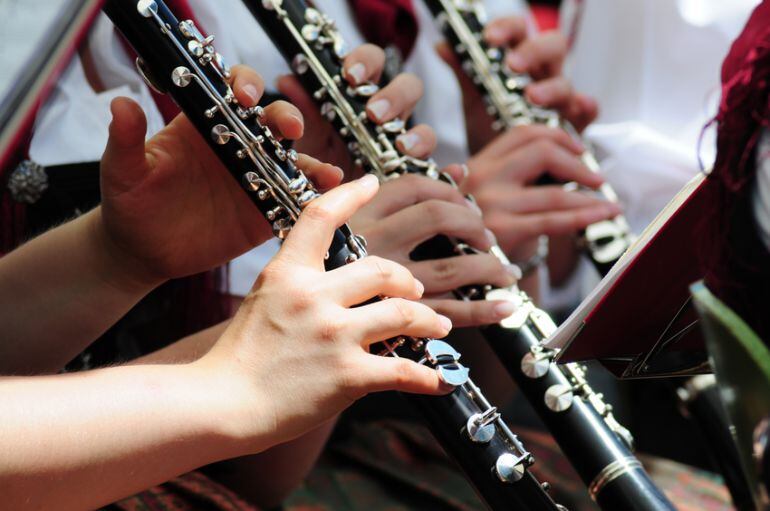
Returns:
(186, 350)
(58, 293)
(82, 440)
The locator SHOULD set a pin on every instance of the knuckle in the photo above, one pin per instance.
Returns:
(329, 329)
(318, 212)
(403, 310)
(434, 211)
(300, 299)
(444, 269)
(402, 372)
(556, 198)
(383, 269)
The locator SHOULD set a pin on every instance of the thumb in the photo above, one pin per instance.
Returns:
(124, 162)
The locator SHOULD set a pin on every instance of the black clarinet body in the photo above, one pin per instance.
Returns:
(700, 401)
(583, 426)
(462, 23)
(176, 59)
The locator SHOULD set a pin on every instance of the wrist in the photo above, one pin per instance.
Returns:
(240, 410)
(115, 267)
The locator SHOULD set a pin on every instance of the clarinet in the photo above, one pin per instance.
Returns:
(462, 22)
(583, 425)
(175, 58)
(699, 401)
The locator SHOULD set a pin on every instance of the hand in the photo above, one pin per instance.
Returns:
(541, 56)
(412, 209)
(396, 100)
(299, 349)
(169, 207)
(502, 179)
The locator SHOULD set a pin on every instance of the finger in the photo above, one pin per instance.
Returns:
(395, 317)
(519, 228)
(555, 93)
(522, 135)
(357, 282)
(323, 175)
(364, 64)
(289, 86)
(419, 141)
(124, 162)
(411, 189)
(457, 171)
(284, 120)
(397, 99)
(383, 373)
(506, 31)
(543, 157)
(309, 239)
(447, 274)
(247, 85)
(535, 199)
(581, 111)
(540, 56)
(415, 224)
(472, 312)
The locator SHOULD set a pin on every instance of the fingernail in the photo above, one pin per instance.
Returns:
(445, 322)
(491, 237)
(357, 72)
(514, 271)
(369, 181)
(408, 140)
(516, 61)
(504, 309)
(419, 286)
(475, 207)
(466, 171)
(379, 108)
(251, 92)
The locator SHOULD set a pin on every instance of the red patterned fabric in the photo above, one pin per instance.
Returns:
(189, 492)
(386, 22)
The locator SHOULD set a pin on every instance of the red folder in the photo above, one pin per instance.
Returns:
(639, 321)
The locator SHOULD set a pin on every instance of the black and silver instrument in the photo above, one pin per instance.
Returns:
(700, 402)
(462, 22)
(580, 421)
(177, 59)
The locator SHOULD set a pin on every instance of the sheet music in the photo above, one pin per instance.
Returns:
(24, 25)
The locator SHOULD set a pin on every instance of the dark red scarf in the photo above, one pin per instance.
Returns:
(387, 22)
(737, 264)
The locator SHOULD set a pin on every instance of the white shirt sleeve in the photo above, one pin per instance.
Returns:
(72, 125)
(761, 194)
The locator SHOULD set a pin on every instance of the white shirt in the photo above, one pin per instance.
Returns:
(761, 194)
(654, 67)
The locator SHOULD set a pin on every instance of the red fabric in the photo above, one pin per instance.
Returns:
(546, 16)
(182, 10)
(744, 106)
(737, 268)
(386, 22)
